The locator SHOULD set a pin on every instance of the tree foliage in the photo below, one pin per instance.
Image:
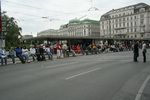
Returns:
(13, 32)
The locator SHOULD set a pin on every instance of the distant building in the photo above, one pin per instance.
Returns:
(127, 22)
(78, 27)
(48, 32)
(27, 36)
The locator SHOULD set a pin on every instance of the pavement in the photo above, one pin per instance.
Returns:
(110, 76)
(146, 92)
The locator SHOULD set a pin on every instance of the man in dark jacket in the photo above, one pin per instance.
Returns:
(19, 54)
(136, 51)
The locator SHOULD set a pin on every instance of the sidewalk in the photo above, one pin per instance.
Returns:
(17, 61)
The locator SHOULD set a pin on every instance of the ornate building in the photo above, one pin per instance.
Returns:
(77, 27)
(48, 32)
(127, 22)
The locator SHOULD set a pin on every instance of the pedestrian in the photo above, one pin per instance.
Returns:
(12, 54)
(3, 56)
(59, 48)
(136, 51)
(33, 52)
(144, 51)
(19, 54)
(42, 51)
(25, 54)
(49, 52)
(37, 49)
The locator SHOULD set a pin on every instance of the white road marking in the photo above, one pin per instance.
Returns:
(140, 92)
(82, 73)
(61, 65)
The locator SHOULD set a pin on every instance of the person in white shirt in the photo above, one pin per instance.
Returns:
(32, 52)
(49, 52)
(144, 51)
(3, 56)
(25, 54)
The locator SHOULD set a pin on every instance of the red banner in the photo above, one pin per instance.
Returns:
(0, 24)
(0, 18)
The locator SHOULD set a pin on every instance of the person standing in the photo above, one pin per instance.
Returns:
(49, 52)
(25, 54)
(3, 56)
(33, 52)
(136, 51)
(18, 51)
(12, 54)
(59, 48)
(144, 51)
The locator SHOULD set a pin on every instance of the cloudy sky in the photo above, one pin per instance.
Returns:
(29, 13)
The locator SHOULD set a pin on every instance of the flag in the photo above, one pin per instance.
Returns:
(0, 18)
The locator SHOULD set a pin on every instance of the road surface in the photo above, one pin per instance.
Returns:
(111, 76)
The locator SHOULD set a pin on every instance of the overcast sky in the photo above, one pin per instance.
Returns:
(29, 13)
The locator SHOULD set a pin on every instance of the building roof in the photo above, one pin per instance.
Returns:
(49, 31)
(135, 6)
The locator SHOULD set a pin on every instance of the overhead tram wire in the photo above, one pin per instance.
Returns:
(29, 6)
(33, 7)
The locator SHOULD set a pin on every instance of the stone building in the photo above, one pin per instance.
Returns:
(127, 22)
(81, 28)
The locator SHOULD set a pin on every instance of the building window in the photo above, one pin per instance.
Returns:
(131, 30)
(134, 23)
(135, 30)
(123, 24)
(142, 35)
(120, 20)
(135, 36)
(127, 30)
(116, 25)
(119, 24)
(127, 24)
(131, 24)
(134, 17)
(124, 19)
(131, 17)
(142, 21)
(127, 18)
(116, 21)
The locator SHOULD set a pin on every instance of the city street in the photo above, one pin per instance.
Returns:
(110, 76)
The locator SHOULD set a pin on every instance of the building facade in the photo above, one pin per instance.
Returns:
(81, 28)
(27, 36)
(127, 22)
(48, 32)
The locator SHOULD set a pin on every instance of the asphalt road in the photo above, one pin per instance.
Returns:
(112, 76)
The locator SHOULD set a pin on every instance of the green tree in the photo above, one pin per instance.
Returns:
(13, 32)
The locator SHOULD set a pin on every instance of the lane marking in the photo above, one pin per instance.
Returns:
(61, 65)
(140, 92)
(83, 73)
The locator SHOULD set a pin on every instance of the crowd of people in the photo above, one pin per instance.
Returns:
(62, 50)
